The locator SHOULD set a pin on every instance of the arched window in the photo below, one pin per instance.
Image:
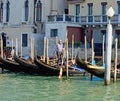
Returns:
(1, 11)
(8, 12)
(26, 10)
(38, 11)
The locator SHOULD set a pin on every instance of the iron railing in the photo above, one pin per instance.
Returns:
(84, 20)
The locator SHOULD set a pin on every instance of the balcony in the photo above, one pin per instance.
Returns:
(84, 20)
(75, 1)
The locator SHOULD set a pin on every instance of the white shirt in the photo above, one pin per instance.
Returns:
(12, 52)
(59, 48)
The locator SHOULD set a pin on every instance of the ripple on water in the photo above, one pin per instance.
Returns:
(17, 87)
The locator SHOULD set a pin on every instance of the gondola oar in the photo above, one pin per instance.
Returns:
(61, 69)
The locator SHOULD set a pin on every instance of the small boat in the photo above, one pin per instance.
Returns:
(10, 65)
(27, 67)
(41, 68)
(53, 70)
(93, 69)
(47, 69)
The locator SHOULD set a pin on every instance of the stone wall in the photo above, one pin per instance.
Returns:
(52, 47)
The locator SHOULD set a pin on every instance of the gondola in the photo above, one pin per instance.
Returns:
(27, 67)
(10, 65)
(95, 70)
(53, 70)
(41, 68)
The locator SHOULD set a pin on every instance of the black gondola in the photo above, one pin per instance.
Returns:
(95, 70)
(36, 69)
(10, 65)
(26, 66)
(53, 70)
(41, 68)
(47, 69)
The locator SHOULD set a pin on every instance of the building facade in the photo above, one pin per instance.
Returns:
(25, 19)
(86, 17)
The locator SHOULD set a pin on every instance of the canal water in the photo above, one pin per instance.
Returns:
(20, 87)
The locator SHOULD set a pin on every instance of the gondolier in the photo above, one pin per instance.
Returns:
(59, 52)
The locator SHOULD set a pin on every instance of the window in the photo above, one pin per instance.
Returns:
(118, 36)
(39, 11)
(8, 12)
(24, 40)
(103, 10)
(54, 32)
(77, 12)
(118, 3)
(1, 12)
(117, 31)
(4, 38)
(90, 12)
(26, 10)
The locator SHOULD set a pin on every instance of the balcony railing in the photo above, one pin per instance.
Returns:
(75, 1)
(84, 20)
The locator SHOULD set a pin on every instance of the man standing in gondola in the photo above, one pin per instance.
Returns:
(59, 52)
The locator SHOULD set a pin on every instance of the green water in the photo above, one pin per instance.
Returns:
(18, 87)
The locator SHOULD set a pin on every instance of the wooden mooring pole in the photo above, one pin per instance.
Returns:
(1, 69)
(92, 50)
(21, 47)
(103, 53)
(115, 60)
(85, 48)
(44, 52)
(32, 49)
(67, 74)
(110, 12)
(16, 46)
(12, 44)
(72, 47)
(47, 56)
(1, 47)
(108, 54)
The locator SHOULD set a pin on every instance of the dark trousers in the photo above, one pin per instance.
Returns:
(59, 57)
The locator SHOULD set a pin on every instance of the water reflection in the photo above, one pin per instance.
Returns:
(15, 87)
(111, 93)
(107, 96)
